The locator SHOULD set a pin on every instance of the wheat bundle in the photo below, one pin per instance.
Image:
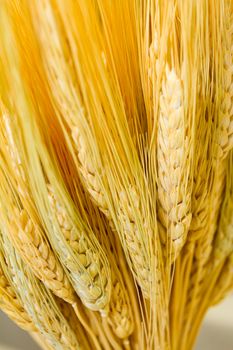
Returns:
(116, 198)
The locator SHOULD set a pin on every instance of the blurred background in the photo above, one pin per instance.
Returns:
(216, 332)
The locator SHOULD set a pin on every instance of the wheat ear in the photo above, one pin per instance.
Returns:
(89, 173)
(88, 272)
(224, 238)
(174, 190)
(224, 284)
(128, 203)
(39, 302)
(199, 226)
(204, 245)
(71, 317)
(36, 252)
(224, 138)
(120, 315)
(11, 305)
(133, 223)
(123, 312)
(67, 96)
(29, 238)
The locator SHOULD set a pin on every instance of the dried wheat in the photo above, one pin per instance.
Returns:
(39, 303)
(121, 308)
(66, 93)
(224, 284)
(12, 150)
(120, 314)
(133, 224)
(224, 238)
(128, 207)
(74, 323)
(36, 251)
(224, 138)
(174, 189)
(90, 174)
(11, 305)
(89, 272)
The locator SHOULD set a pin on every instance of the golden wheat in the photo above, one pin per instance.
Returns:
(39, 255)
(39, 302)
(88, 272)
(174, 191)
(11, 305)
(224, 138)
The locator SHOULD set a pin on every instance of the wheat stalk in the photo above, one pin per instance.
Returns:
(174, 189)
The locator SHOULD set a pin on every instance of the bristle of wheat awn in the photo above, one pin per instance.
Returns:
(89, 274)
(174, 197)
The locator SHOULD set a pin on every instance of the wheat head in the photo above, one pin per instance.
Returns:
(36, 251)
(11, 305)
(39, 302)
(89, 274)
(224, 138)
(174, 190)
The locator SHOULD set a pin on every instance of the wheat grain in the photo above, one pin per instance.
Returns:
(174, 190)
(89, 272)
